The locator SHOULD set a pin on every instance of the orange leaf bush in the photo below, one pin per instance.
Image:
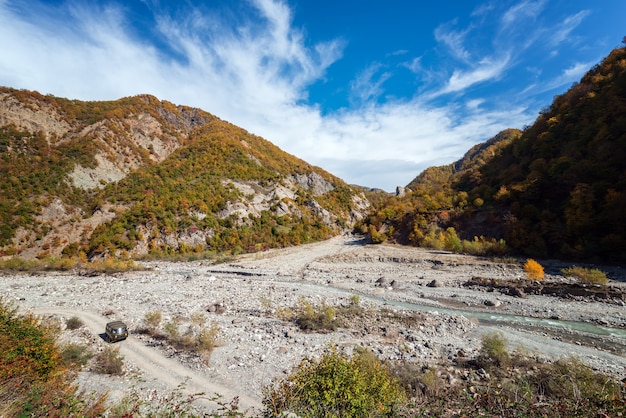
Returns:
(533, 269)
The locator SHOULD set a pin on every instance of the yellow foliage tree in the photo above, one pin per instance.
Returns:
(533, 269)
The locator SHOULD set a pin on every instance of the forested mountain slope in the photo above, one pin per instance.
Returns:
(561, 187)
(139, 175)
(557, 189)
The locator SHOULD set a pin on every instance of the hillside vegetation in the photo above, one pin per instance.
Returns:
(139, 176)
(143, 177)
(557, 189)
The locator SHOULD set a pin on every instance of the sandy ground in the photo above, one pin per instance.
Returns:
(256, 346)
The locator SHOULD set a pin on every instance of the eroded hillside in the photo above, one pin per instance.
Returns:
(139, 175)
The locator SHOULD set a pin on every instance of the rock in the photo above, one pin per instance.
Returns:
(516, 292)
(493, 302)
(217, 308)
(390, 332)
(434, 283)
(381, 282)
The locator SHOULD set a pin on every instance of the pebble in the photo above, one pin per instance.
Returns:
(257, 345)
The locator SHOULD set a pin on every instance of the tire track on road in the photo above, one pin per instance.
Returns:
(153, 363)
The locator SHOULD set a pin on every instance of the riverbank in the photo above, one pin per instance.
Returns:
(247, 298)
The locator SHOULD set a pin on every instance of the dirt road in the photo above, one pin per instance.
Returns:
(154, 365)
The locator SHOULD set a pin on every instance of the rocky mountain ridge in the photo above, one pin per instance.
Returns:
(148, 176)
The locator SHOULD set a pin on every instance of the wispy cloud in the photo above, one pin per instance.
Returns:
(487, 69)
(525, 10)
(255, 70)
(568, 76)
(368, 85)
(454, 40)
(562, 31)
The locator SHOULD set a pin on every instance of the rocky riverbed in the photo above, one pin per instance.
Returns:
(420, 306)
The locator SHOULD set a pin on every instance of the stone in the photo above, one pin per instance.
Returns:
(516, 292)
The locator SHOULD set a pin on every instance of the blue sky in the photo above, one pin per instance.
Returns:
(372, 91)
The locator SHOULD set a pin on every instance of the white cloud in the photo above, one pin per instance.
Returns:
(253, 73)
(454, 40)
(562, 31)
(568, 76)
(474, 103)
(576, 71)
(414, 65)
(525, 10)
(487, 69)
(369, 84)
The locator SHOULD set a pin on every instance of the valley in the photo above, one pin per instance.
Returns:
(417, 307)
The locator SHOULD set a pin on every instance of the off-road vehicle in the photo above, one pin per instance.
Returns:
(116, 331)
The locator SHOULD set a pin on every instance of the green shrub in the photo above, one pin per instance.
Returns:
(196, 337)
(26, 347)
(206, 339)
(74, 323)
(285, 313)
(586, 275)
(353, 309)
(377, 237)
(18, 264)
(570, 379)
(484, 246)
(152, 320)
(431, 383)
(34, 380)
(75, 355)
(112, 265)
(47, 263)
(109, 361)
(451, 240)
(172, 330)
(60, 264)
(316, 318)
(336, 386)
(493, 350)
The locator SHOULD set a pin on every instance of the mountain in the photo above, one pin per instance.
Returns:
(141, 176)
(561, 187)
(468, 165)
(557, 189)
(421, 212)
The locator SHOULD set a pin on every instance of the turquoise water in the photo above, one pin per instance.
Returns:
(491, 318)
